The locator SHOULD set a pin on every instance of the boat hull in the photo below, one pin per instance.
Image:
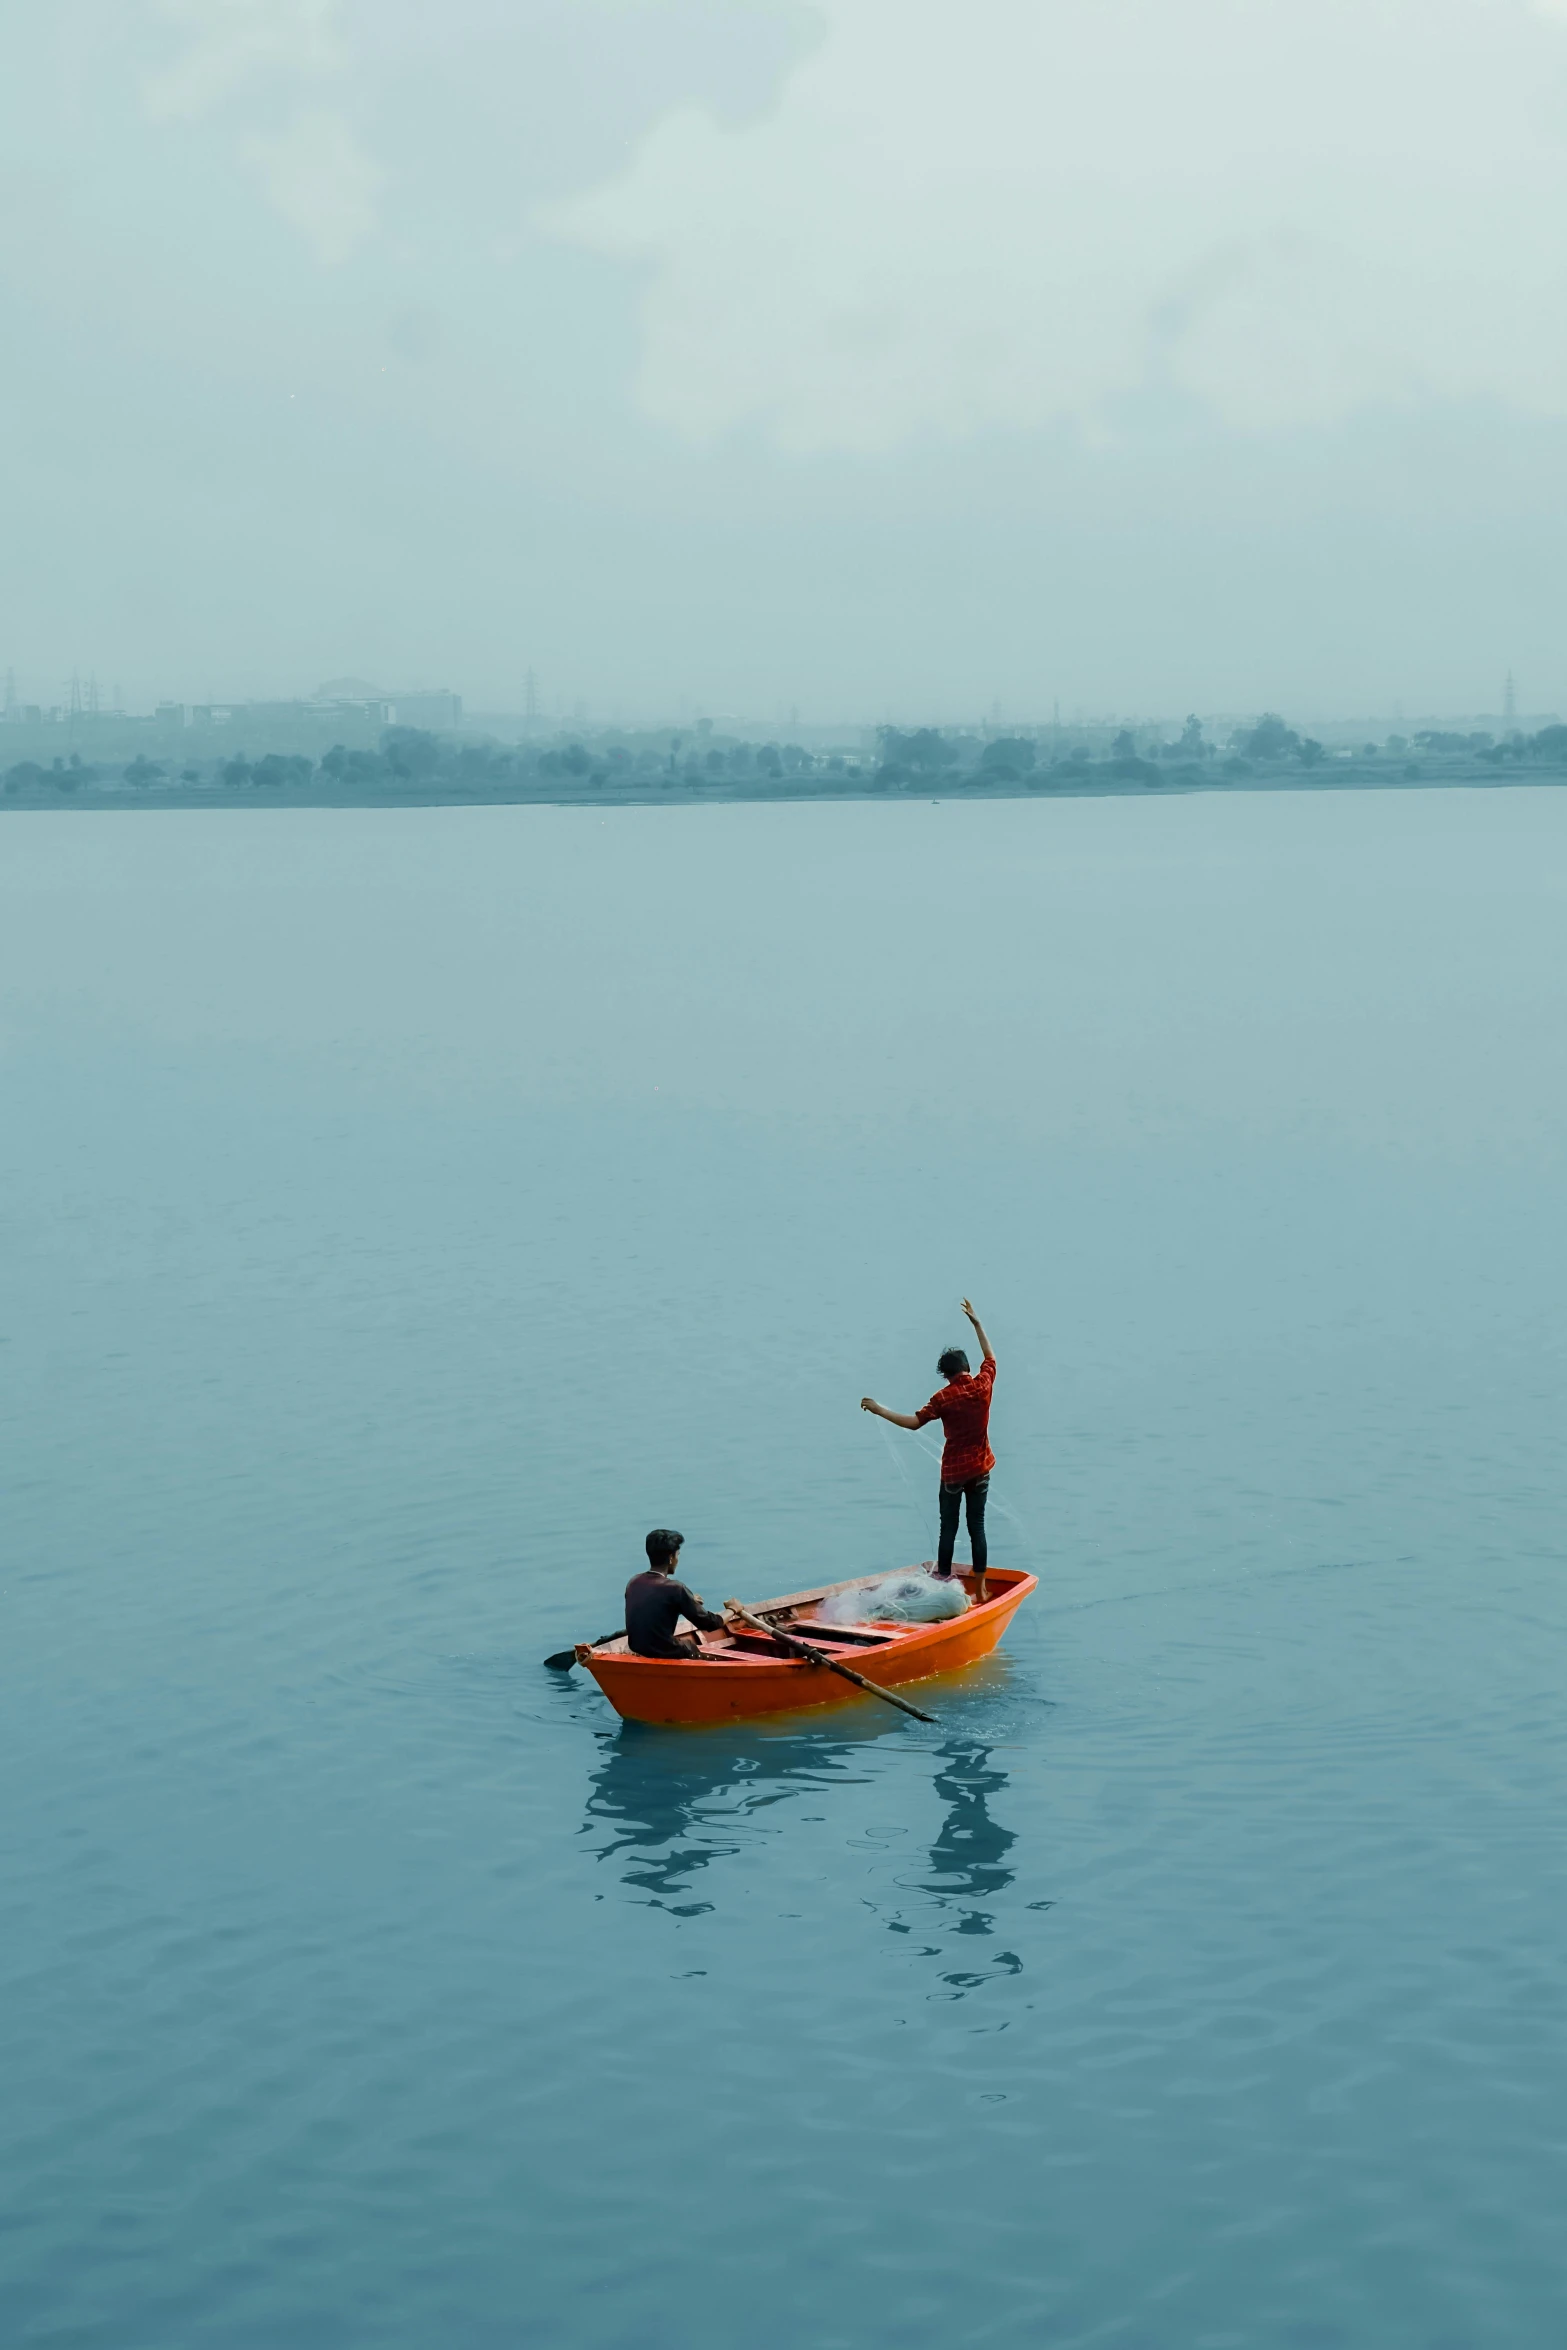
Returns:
(746, 1688)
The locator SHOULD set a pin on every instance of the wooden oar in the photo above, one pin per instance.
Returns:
(817, 1656)
(564, 1658)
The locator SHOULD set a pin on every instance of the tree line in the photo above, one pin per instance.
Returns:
(920, 758)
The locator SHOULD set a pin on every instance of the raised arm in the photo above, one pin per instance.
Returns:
(985, 1347)
(898, 1419)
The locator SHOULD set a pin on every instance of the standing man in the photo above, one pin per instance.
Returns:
(655, 1603)
(963, 1408)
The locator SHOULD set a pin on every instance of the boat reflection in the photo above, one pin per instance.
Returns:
(665, 1809)
(676, 1805)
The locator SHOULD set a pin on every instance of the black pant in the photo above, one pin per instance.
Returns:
(974, 1493)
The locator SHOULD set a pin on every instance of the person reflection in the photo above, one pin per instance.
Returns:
(968, 1857)
(675, 1805)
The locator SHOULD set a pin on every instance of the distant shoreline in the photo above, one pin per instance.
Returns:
(411, 766)
(1434, 775)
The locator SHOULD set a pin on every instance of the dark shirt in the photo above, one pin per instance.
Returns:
(654, 1606)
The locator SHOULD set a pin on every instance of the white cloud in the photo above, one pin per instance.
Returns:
(231, 42)
(320, 179)
(965, 213)
(312, 166)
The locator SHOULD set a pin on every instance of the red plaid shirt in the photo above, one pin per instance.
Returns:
(963, 1409)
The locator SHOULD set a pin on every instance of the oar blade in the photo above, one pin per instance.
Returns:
(564, 1658)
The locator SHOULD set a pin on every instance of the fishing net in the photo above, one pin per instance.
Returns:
(913, 1597)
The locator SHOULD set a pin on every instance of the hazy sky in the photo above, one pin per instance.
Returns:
(874, 357)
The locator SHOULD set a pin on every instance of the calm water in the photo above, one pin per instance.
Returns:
(406, 1210)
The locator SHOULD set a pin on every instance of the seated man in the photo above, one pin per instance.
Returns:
(655, 1603)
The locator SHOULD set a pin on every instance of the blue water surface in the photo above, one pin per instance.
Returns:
(405, 1210)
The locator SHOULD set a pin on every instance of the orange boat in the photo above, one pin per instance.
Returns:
(743, 1673)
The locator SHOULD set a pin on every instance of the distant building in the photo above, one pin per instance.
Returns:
(440, 713)
(300, 713)
(343, 702)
